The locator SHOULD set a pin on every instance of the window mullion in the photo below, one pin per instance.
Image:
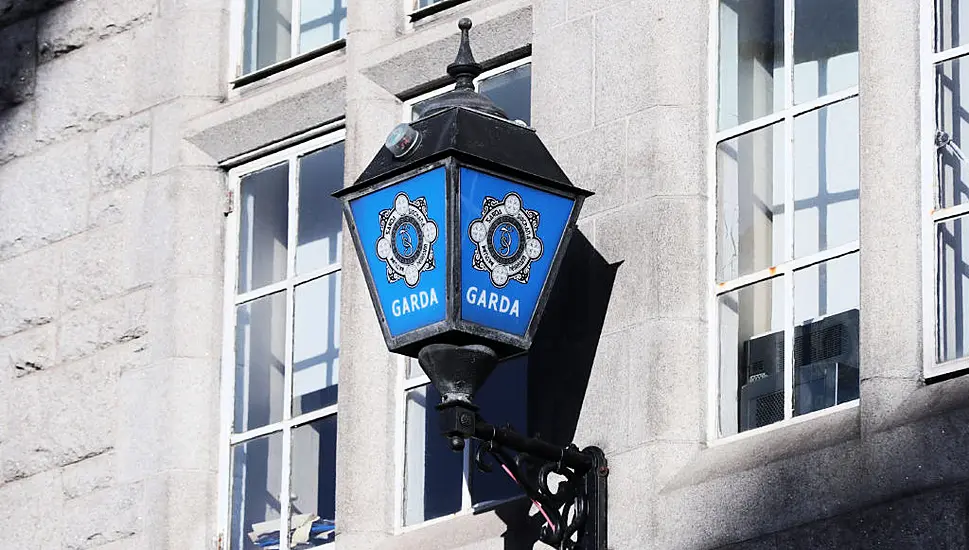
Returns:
(285, 491)
(788, 279)
(295, 29)
(284, 501)
(466, 478)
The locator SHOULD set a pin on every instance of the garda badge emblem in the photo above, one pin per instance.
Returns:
(406, 236)
(506, 240)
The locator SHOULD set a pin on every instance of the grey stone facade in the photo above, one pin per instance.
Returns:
(116, 121)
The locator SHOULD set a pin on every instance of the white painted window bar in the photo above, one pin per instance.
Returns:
(235, 437)
(784, 116)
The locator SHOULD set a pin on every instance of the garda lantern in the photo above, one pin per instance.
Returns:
(460, 223)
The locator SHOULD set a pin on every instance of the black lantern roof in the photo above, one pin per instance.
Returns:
(467, 125)
(480, 138)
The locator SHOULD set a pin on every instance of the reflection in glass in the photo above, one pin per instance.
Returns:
(511, 91)
(952, 287)
(321, 22)
(260, 348)
(320, 216)
(263, 227)
(313, 484)
(267, 33)
(256, 486)
(826, 288)
(826, 176)
(412, 368)
(951, 23)
(750, 202)
(316, 344)
(751, 60)
(825, 47)
(433, 474)
(826, 298)
(504, 398)
(952, 118)
(751, 356)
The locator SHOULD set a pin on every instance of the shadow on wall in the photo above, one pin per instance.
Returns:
(18, 50)
(560, 364)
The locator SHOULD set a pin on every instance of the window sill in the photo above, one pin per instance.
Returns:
(935, 372)
(433, 8)
(286, 64)
(754, 448)
(475, 509)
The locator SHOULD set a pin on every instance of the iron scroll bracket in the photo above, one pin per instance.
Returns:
(569, 485)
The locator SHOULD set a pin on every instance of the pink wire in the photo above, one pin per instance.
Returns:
(540, 509)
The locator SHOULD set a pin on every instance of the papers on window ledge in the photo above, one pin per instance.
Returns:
(306, 530)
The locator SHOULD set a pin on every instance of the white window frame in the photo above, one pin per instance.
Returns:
(931, 215)
(231, 299)
(405, 385)
(237, 43)
(411, 9)
(407, 108)
(787, 267)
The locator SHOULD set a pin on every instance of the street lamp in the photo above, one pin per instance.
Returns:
(460, 224)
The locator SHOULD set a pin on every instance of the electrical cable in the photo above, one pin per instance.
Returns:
(548, 520)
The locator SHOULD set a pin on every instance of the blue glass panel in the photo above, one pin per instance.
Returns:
(511, 234)
(403, 234)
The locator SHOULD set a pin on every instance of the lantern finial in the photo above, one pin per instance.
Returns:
(464, 69)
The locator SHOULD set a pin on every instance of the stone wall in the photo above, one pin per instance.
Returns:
(111, 285)
(110, 274)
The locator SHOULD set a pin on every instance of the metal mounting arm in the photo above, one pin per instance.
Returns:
(575, 510)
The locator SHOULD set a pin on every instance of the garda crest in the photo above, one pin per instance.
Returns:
(406, 236)
(506, 239)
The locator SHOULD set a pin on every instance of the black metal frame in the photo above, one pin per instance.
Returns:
(454, 329)
(575, 510)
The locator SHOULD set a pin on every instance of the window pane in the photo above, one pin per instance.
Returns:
(512, 92)
(751, 60)
(267, 33)
(413, 369)
(825, 47)
(321, 22)
(256, 485)
(263, 227)
(260, 349)
(751, 356)
(316, 344)
(826, 178)
(433, 472)
(952, 287)
(826, 298)
(320, 228)
(952, 23)
(953, 120)
(750, 216)
(504, 397)
(313, 483)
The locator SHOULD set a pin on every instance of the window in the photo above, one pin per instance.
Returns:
(276, 30)
(786, 149)
(946, 124)
(436, 480)
(420, 9)
(282, 347)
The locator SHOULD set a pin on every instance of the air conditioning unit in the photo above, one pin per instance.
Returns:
(825, 370)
